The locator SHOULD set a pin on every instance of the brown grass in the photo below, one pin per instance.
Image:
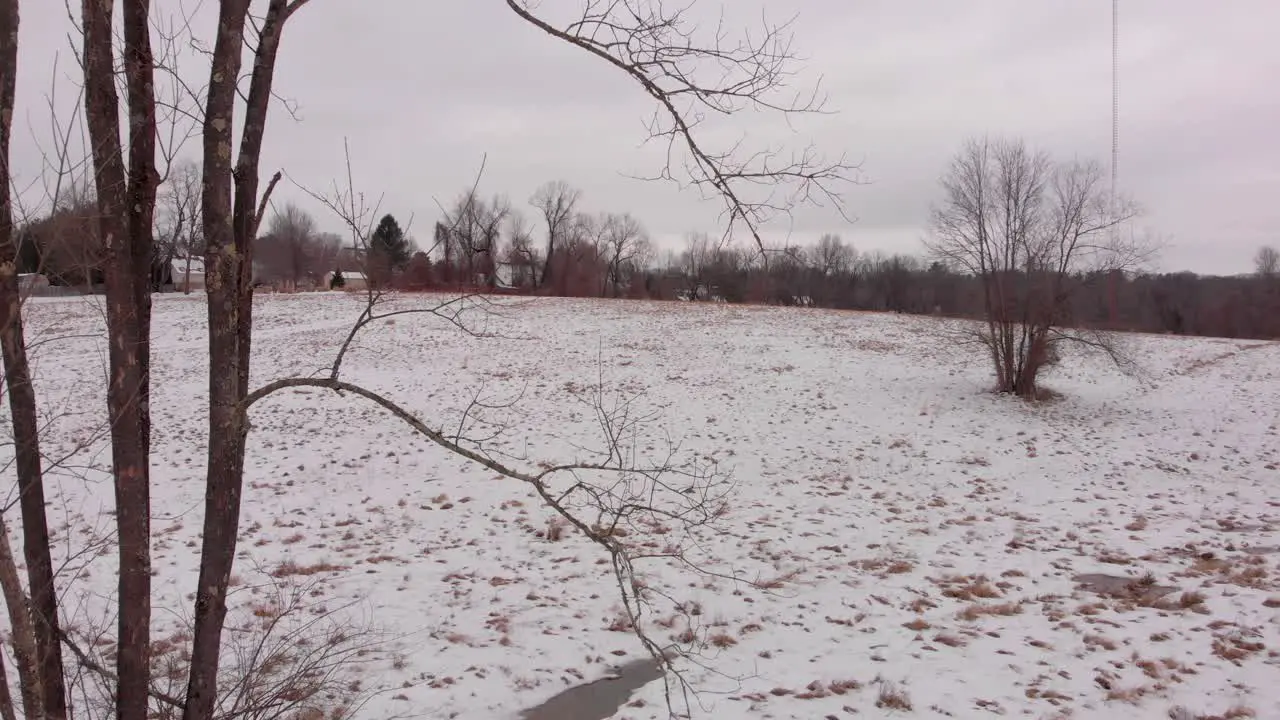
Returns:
(892, 697)
(978, 610)
(722, 640)
(1235, 648)
(840, 687)
(289, 568)
(1105, 643)
(1133, 696)
(884, 566)
(968, 588)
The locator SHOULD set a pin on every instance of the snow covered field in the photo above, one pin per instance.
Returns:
(920, 541)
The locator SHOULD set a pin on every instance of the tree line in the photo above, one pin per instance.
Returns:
(488, 243)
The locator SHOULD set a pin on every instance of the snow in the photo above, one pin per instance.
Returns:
(895, 509)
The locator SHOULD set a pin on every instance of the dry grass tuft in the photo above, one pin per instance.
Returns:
(1133, 696)
(289, 568)
(722, 640)
(892, 697)
(1234, 648)
(840, 687)
(979, 610)
(961, 587)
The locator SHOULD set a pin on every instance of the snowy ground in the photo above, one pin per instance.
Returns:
(918, 536)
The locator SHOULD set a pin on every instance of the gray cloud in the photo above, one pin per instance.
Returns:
(424, 90)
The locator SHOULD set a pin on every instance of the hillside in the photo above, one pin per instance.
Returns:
(909, 538)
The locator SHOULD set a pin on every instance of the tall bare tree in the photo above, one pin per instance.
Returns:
(35, 625)
(624, 238)
(833, 256)
(520, 253)
(1029, 228)
(1266, 262)
(699, 260)
(126, 197)
(557, 201)
(294, 251)
(179, 234)
(231, 219)
(474, 228)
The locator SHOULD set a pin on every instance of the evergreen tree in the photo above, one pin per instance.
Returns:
(389, 245)
(337, 282)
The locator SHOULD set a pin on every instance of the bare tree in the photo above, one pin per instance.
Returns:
(126, 197)
(520, 254)
(67, 241)
(1027, 227)
(231, 219)
(557, 202)
(623, 238)
(475, 232)
(698, 261)
(690, 73)
(832, 256)
(326, 248)
(1266, 262)
(35, 623)
(289, 249)
(179, 233)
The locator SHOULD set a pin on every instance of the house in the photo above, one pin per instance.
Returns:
(182, 274)
(355, 280)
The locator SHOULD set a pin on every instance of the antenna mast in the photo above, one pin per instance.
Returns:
(1115, 98)
(1113, 209)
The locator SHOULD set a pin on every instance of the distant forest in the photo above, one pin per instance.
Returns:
(486, 245)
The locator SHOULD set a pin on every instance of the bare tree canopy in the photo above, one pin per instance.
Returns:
(557, 202)
(1267, 262)
(1028, 227)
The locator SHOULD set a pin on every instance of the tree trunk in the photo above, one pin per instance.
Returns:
(126, 204)
(22, 406)
(25, 651)
(547, 275)
(230, 231)
(187, 276)
(6, 697)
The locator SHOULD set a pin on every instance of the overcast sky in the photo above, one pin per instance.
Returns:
(424, 89)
